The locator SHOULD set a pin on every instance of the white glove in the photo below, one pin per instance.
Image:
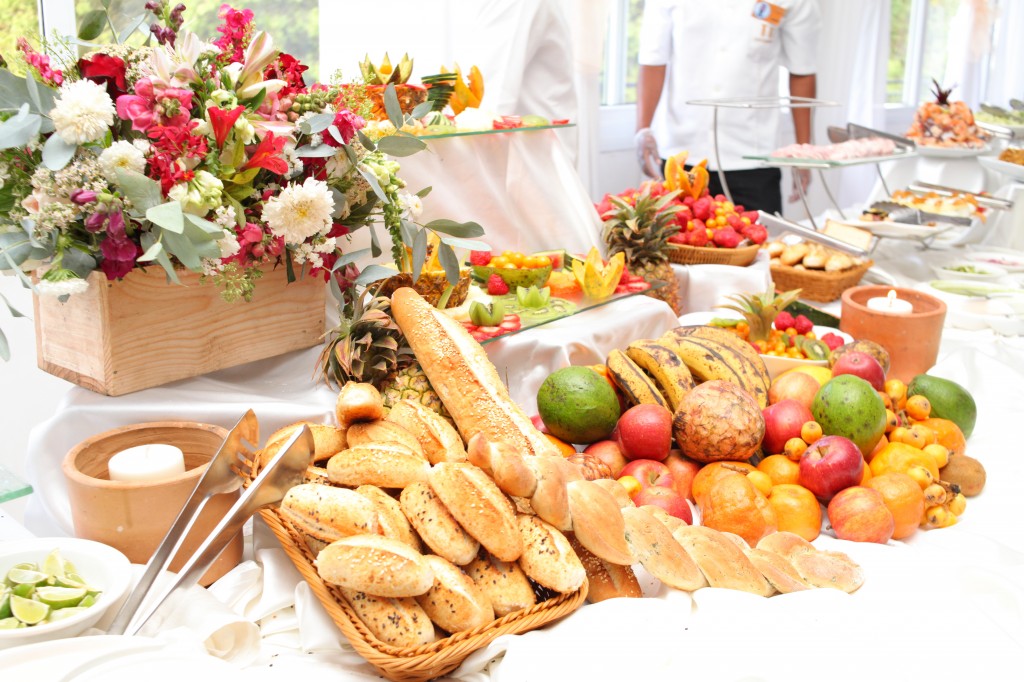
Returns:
(647, 154)
(801, 181)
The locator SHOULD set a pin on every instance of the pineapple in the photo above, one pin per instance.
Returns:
(760, 310)
(369, 347)
(641, 232)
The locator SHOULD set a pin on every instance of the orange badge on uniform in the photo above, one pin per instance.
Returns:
(769, 12)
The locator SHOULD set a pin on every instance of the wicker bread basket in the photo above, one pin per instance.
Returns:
(818, 285)
(414, 664)
(702, 255)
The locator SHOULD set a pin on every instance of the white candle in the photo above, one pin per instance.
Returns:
(891, 304)
(146, 463)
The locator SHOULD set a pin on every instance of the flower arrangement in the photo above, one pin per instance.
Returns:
(213, 156)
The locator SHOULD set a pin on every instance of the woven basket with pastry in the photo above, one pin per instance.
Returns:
(821, 272)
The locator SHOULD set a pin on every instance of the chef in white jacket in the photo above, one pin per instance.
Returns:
(694, 49)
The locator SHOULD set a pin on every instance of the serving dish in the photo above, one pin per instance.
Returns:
(893, 230)
(1007, 259)
(1013, 170)
(980, 305)
(983, 272)
(952, 152)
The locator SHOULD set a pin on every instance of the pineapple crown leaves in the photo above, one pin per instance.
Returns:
(641, 230)
(760, 310)
(366, 346)
(941, 94)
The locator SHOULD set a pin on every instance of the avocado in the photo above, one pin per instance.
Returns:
(949, 400)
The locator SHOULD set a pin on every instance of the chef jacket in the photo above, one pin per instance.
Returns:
(717, 49)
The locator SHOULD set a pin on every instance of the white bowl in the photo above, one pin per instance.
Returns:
(987, 272)
(101, 566)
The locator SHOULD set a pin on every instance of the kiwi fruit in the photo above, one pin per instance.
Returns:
(966, 472)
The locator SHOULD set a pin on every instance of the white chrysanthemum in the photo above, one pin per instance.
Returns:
(83, 113)
(412, 204)
(300, 211)
(123, 155)
(64, 287)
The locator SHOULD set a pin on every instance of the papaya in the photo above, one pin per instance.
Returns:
(949, 400)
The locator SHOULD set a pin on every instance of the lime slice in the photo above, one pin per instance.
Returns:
(11, 623)
(53, 565)
(27, 565)
(29, 611)
(20, 576)
(69, 569)
(23, 590)
(61, 614)
(68, 581)
(60, 597)
(5, 603)
(88, 600)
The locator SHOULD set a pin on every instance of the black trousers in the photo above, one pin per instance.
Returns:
(758, 189)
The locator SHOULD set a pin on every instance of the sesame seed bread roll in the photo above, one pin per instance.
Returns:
(455, 603)
(398, 621)
(386, 465)
(550, 499)
(439, 439)
(328, 513)
(327, 440)
(597, 522)
(505, 584)
(605, 580)
(358, 402)
(548, 558)
(382, 431)
(479, 506)
(376, 565)
(436, 526)
(392, 520)
(503, 464)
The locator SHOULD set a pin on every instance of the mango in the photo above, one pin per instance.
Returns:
(949, 400)
(848, 406)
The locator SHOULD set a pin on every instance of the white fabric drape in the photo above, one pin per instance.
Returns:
(1006, 81)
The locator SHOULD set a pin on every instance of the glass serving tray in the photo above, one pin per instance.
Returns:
(499, 131)
(827, 163)
(12, 487)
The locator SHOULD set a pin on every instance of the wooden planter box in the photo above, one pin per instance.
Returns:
(123, 336)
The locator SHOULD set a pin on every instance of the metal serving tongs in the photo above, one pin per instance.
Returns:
(286, 470)
(986, 200)
(220, 477)
(898, 213)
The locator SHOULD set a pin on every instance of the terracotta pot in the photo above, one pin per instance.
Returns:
(133, 517)
(912, 339)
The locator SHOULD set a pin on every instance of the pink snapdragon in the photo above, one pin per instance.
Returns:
(155, 104)
(235, 33)
(41, 64)
(347, 123)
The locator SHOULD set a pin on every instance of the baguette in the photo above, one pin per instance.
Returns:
(455, 603)
(605, 580)
(617, 490)
(438, 438)
(479, 506)
(597, 522)
(376, 565)
(400, 622)
(777, 570)
(464, 377)
(392, 520)
(506, 466)
(505, 584)
(659, 552)
(382, 431)
(829, 569)
(327, 440)
(436, 526)
(667, 520)
(328, 513)
(387, 465)
(548, 558)
(358, 402)
(721, 561)
(550, 499)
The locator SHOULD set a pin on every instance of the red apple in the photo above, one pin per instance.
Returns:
(645, 432)
(539, 423)
(783, 421)
(861, 365)
(666, 498)
(829, 465)
(609, 452)
(859, 514)
(683, 471)
(798, 386)
(649, 472)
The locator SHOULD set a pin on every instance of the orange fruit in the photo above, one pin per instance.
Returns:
(733, 504)
(947, 433)
(566, 449)
(780, 469)
(901, 457)
(796, 510)
(865, 474)
(882, 442)
(711, 472)
(904, 498)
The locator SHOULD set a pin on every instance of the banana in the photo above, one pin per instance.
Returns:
(729, 339)
(662, 363)
(709, 360)
(631, 380)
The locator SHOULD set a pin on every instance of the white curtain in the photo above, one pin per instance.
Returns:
(1006, 64)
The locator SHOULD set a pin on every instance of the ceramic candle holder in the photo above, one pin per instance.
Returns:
(134, 516)
(912, 339)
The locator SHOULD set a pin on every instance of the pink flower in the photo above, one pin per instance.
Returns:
(347, 124)
(118, 251)
(41, 64)
(151, 105)
(221, 121)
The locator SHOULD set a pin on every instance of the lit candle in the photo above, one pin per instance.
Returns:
(891, 304)
(146, 463)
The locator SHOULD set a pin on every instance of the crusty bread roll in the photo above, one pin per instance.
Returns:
(504, 583)
(829, 569)
(358, 402)
(815, 258)
(376, 565)
(617, 490)
(464, 377)
(775, 248)
(503, 464)
(388, 465)
(777, 570)
(393, 522)
(659, 552)
(316, 474)
(721, 561)
(597, 522)
(794, 253)
(400, 622)
(547, 556)
(328, 513)
(382, 431)
(605, 580)
(550, 499)
(838, 262)
(438, 438)
(436, 526)
(455, 603)
(785, 543)
(327, 441)
(669, 521)
(479, 506)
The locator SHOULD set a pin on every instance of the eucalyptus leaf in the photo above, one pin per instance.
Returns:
(419, 253)
(79, 262)
(5, 348)
(14, 94)
(143, 192)
(336, 134)
(316, 124)
(401, 145)
(204, 230)
(450, 227)
(350, 257)
(336, 290)
(92, 24)
(375, 249)
(33, 93)
(392, 107)
(422, 109)
(289, 269)
(57, 153)
(322, 151)
(367, 143)
(408, 230)
(131, 28)
(147, 240)
(351, 155)
(424, 192)
(151, 253)
(470, 244)
(20, 129)
(374, 272)
(371, 178)
(17, 248)
(14, 311)
(449, 261)
(181, 247)
(168, 216)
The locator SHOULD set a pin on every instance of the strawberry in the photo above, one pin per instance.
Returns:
(496, 286)
(699, 237)
(802, 324)
(833, 341)
(702, 209)
(479, 257)
(727, 238)
(784, 321)
(756, 233)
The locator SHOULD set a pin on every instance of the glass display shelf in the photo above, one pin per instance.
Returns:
(828, 163)
(498, 131)
(12, 487)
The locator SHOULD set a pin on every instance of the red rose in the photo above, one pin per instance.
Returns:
(105, 70)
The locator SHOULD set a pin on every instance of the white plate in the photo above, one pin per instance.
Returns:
(991, 272)
(1014, 170)
(1007, 259)
(884, 228)
(978, 312)
(951, 152)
